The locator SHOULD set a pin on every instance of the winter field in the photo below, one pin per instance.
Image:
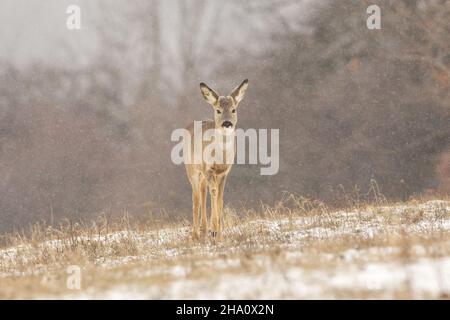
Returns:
(296, 249)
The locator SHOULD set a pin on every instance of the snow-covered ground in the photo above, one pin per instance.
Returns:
(400, 251)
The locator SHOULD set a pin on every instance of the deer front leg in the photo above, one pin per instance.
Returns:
(211, 180)
(195, 207)
(221, 188)
(215, 222)
(204, 221)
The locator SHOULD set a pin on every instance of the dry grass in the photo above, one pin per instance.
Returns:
(297, 248)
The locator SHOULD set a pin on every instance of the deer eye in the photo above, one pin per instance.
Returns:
(234, 110)
(219, 112)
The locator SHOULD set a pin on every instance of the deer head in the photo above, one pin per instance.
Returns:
(225, 107)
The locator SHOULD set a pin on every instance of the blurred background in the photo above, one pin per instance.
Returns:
(86, 115)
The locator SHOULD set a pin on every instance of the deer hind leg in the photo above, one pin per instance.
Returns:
(204, 220)
(195, 209)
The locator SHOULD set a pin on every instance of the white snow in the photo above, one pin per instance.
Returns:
(271, 262)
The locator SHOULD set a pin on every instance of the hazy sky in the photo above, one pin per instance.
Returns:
(36, 30)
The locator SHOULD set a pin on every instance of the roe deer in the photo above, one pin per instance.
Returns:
(212, 175)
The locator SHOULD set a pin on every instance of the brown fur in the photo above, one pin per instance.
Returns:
(212, 177)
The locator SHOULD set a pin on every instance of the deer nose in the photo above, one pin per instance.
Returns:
(227, 124)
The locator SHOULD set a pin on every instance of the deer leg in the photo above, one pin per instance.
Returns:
(195, 207)
(204, 220)
(213, 191)
(214, 213)
(221, 187)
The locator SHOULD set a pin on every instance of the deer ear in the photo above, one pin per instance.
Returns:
(209, 94)
(239, 92)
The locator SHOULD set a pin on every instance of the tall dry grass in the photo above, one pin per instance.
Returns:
(293, 224)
